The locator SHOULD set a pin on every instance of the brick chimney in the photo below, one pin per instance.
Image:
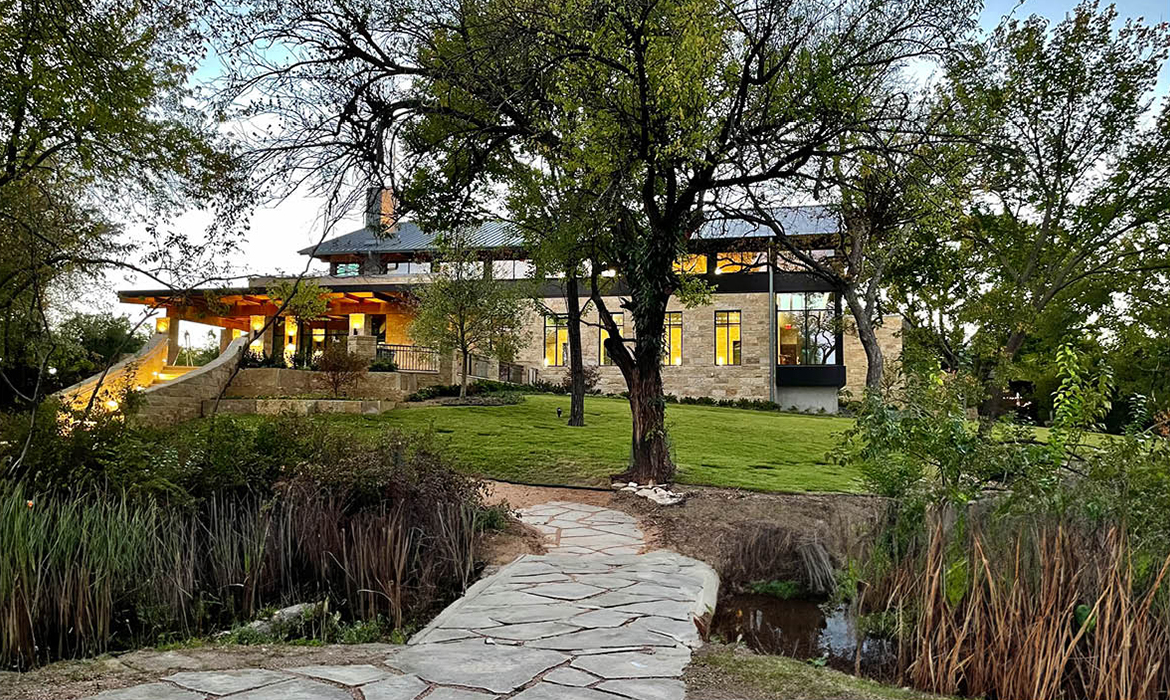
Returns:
(380, 209)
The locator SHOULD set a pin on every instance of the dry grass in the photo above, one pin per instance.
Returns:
(1045, 611)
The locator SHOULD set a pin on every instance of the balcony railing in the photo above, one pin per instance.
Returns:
(410, 358)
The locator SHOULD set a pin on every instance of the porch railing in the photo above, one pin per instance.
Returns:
(479, 366)
(511, 372)
(410, 358)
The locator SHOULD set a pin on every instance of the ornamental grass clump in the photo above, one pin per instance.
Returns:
(383, 533)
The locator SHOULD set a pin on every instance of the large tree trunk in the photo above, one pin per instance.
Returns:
(464, 354)
(867, 334)
(994, 384)
(576, 363)
(650, 461)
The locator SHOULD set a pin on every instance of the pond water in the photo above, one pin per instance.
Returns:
(802, 629)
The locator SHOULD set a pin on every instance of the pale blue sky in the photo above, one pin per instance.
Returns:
(279, 231)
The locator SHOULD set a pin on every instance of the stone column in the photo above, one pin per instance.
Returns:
(364, 345)
(225, 339)
(172, 340)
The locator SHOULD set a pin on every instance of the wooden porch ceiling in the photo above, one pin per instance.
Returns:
(235, 310)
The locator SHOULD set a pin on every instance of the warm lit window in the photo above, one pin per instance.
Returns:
(619, 320)
(739, 262)
(672, 338)
(727, 342)
(806, 328)
(691, 265)
(556, 340)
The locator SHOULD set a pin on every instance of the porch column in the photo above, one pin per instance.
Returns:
(359, 341)
(173, 348)
(225, 339)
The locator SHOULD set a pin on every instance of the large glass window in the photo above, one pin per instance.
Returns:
(348, 270)
(740, 262)
(556, 340)
(619, 320)
(691, 264)
(672, 338)
(806, 328)
(727, 341)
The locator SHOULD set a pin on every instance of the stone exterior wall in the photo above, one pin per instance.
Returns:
(182, 399)
(889, 336)
(270, 382)
(698, 375)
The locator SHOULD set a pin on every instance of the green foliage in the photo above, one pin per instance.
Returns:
(341, 369)
(306, 300)
(383, 365)
(784, 590)
(253, 515)
(466, 310)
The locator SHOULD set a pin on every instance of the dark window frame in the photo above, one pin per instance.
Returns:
(666, 345)
(559, 321)
(603, 358)
(736, 358)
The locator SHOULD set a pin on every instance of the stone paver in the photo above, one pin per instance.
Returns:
(395, 688)
(150, 691)
(621, 623)
(226, 682)
(296, 689)
(594, 619)
(356, 674)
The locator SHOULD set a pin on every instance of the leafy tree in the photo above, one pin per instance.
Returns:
(667, 106)
(892, 197)
(97, 117)
(561, 223)
(1072, 175)
(464, 309)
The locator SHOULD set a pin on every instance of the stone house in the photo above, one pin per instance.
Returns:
(778, 335)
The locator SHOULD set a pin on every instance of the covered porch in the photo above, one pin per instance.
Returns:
(371, 323)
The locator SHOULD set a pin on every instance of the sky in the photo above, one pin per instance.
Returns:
(278, 231)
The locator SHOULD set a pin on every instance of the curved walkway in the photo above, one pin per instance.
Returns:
(590, 620)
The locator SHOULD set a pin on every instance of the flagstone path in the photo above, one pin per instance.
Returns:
(591, 620)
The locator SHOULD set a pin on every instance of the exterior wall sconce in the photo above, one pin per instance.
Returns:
(162, 324)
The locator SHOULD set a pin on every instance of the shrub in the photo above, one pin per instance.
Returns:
(342, 369)
(592, 374)
(383, 365)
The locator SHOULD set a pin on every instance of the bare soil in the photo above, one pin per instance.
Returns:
(700, 525)
(518, 496)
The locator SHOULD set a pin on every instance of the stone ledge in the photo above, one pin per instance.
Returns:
(303, 407)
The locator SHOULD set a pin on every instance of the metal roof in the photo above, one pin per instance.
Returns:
(409, 238)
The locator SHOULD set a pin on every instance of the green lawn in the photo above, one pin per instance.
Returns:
(758, 450)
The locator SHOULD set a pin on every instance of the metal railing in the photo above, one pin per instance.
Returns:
(511, 372)
(410, 358)
(479, 366)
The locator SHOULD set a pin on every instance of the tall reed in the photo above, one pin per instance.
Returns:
(79, 574)
(1039, 610)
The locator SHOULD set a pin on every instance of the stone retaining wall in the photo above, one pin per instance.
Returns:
(270, 407)
(264, 382)
(182, 399)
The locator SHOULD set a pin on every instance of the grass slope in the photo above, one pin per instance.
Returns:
(762, 451)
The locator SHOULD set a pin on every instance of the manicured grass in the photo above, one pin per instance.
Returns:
(727, 669)
(758, 450)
